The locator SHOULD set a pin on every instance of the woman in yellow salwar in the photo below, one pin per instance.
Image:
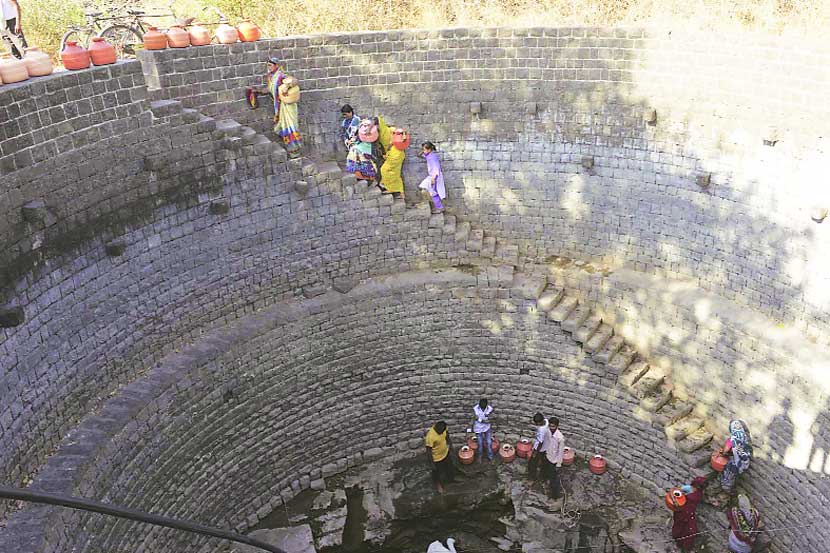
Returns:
(286, 93)
(391, 179)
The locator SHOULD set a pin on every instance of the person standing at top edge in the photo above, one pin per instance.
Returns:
(554, 453)
(537, 465)
(481, 426)
(11, 25)
(438, 446)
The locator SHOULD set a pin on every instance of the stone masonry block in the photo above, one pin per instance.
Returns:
(528, 287)
(577, 317)
(550, 298)
(563, 309)
(587, 329)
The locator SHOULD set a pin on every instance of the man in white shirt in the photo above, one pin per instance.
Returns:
(11, 26)
(554, 453)
(537, 461)
(481, 426)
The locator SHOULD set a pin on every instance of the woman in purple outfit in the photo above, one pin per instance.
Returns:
(434, 182)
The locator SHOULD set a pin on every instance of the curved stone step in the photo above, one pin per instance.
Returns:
(599, 338)
(528, 287)
(648, 383)
(609, 349)
(576, 319)
(675, 410)
(633, 374)
(228, 127)
(165, 108)
(587, 329)
(623, 359)
(654, 400)
(563, 309)
(699, 458)
(684, 427)
(695, 441)
(248, 135)
(550, 298)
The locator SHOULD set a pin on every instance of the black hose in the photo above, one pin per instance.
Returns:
(131, 514)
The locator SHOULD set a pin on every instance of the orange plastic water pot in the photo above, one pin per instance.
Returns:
(568, 456)
(248, 31)
(507, 453)
(718, 461)
(466, 455)
(177, 37)
(38, 63)
(74, 57)
(597, 464)
(13, 70)
(675, 499)
(154, 39)
(226, 34)
(199, 36)
(523, 448)
(102, 52)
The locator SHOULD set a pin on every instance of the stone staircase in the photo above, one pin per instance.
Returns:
(498, 261)
(649, 385)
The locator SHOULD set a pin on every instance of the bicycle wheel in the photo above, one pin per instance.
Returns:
(126, 40)
(77, 36)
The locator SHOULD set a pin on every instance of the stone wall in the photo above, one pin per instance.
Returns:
(648, 111)
(228, 429)
(121, 269)
(160, 224)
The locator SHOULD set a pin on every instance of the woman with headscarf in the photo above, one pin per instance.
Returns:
(365, 154)
(744, 521)
(684, 526)
(739, 448)
(285, 90)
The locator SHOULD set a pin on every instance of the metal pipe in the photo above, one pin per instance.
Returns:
(131, 514)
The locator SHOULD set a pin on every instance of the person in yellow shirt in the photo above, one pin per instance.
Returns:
(438, 446)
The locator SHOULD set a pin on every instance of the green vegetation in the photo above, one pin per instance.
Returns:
(45, 20)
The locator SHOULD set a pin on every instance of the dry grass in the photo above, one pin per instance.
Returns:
(45, 20)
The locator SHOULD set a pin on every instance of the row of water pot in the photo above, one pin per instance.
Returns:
(523, 449)
(37, 63)
(196, 35)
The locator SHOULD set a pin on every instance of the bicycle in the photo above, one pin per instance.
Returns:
(126, 34)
